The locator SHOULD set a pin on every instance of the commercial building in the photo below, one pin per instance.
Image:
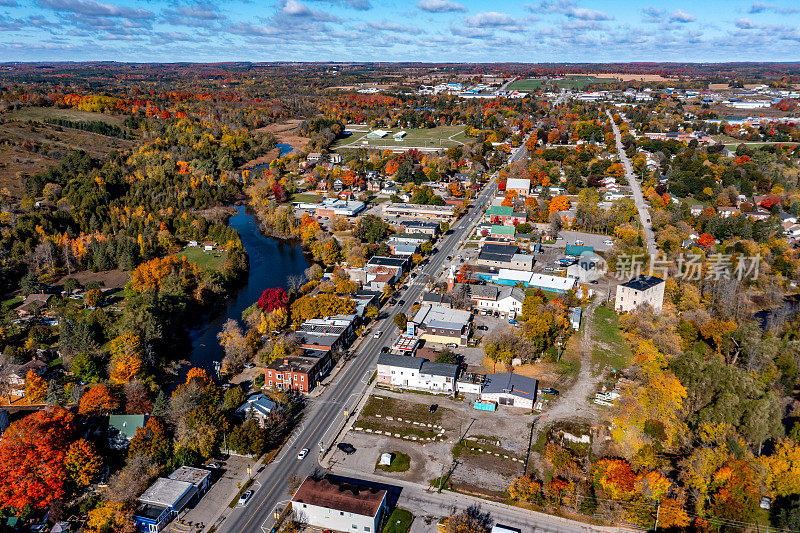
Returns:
(167, 497)
(510, 389)
(409, 372)
(641, 290)
(299, 373)
(441, 324)
(331, 207)
(420, 226)
(433, 212)
(545, 282)
(333, 503)
(505, 233)
(520, 186)
(504, 216)
(506, 301)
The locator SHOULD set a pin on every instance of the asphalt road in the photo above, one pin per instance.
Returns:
(636, 189)
(325, 414)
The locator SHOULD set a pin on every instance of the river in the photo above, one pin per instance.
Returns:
(271, 263)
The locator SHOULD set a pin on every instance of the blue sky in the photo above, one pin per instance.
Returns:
(394, 30)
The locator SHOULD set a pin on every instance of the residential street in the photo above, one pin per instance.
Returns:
(636, 188)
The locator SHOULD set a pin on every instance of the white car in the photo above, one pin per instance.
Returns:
(608, 242)
(245, 497)
(302, 454)
(378, 334)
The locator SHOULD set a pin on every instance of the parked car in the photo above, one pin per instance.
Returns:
(385, 349)
(346, 447)
(578, 242)
(483, 328)
(549, 390)
(302, 454)
(512, 321)
(451, 345)
(214, 466)
(249, 365)
(401, 302)
(608, 242)
(433, 407)
(244, 498)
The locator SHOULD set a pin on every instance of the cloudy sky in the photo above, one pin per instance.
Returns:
(396, 30)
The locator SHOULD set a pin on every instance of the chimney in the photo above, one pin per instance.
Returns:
(451, 279)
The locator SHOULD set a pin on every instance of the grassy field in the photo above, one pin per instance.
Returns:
(568, 82)
(205, 260)
(399, 521)
(306, 197)
(400, 463)
(48, 113)
(610, 348)
(438, 137)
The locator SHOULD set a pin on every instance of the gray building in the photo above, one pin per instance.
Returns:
(510, 389)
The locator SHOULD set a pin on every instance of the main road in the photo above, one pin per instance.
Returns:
(324, 415)
(636, 189)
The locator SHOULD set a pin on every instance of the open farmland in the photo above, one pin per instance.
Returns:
(567, 82)
(422, 138)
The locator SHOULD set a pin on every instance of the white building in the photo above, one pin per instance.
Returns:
(340, 505)
(641, 290)
(506, 301)
(409, 372)
(510, 389)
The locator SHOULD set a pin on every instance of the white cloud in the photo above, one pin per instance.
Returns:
(92, 8)
(681, 16)
(440, 6)
(587, 14)
(494, 20)
(761, 7)
(745, 24)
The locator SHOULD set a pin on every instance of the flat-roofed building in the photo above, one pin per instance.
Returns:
(641, 290)
(443, 325)
(338, 504)
(435, 212)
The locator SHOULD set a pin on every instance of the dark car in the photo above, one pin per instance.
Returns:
(433, 407)
(393, 301)
(401, 302)
(483, 328)
(346, 447)
(550, 390)
(385, 349)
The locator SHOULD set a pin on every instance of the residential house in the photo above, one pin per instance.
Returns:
(588, 268)
(696, 210)
(409, 372)
(257, 406)
(314, 157)
(15, 376)
(641, 290)
(725, 212)
(339, 504)
(510, 389)
(441, 324)
(506, 301)
(122, 428)
(299, 373)
(33, 304)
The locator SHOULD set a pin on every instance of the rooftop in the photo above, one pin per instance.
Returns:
(439, 369)
(190, 474)
(513, 384)
(642, 282)
(438, 316)
(335, 493)
(168, 493)
(400, 361)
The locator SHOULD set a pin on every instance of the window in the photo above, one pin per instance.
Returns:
(270, 383)
(366, 528)
(304, 506)
(302, 378)
(355, 526)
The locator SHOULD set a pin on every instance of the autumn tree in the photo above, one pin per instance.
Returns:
(32, 454)
(82, 462)
(559, 203)
(615, 477)
(97, 400)
(153, 441)
(35, 387)
(525, 488)
(126, 358)
(234, 344)
(93, 298)
(272, 299)
(400, 320)
(469, 520)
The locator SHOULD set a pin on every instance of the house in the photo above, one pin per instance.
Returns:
(122, 428)
(519, 185)
(374, 185)
(575, 318)
(314, 157)
(641, 290)
(696, 210)
(335, 158)
(506, 301)
(725, 212)
(333, 503)
(588, 268)
(257, 406)
(167, 497)
(441, 324)
(793, 230)
(15, 376)
(504, 216)
(510, 389)
(33, 303)
(411, 372)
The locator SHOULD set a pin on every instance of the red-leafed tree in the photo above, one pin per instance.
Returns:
(97, 400)
(279, 192)
(32, 453)
(705, 240)
(272, 299)
(770, 200)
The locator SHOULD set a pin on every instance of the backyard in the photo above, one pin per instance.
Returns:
(610, 350)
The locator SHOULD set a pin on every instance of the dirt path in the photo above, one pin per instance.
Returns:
(574, 404)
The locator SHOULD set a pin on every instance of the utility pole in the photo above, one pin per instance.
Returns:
(657, 513)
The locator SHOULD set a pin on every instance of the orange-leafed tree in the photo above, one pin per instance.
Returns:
(110, 516)
(82, 462)
(705, 240)
(126, 358)
(153, 441)
(35, 387)
(32, 459)
(97, 400)
(672, 515)
(615, 477)
(559, 203)
(391, 167)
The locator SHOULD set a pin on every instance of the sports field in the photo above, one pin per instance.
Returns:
(425, 138)
(567, 82)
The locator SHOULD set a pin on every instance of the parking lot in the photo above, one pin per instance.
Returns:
(491, 456)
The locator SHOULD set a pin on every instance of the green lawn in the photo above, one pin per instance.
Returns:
(399, 521)
(438, 137)
(205, 260)
(611, 349)
(11, 302)
(307, 197)
(400, 463)
(568, 82)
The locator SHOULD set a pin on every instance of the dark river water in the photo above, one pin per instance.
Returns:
(271, 262)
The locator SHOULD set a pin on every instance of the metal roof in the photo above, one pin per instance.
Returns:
(400, 361)
(513, 384)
